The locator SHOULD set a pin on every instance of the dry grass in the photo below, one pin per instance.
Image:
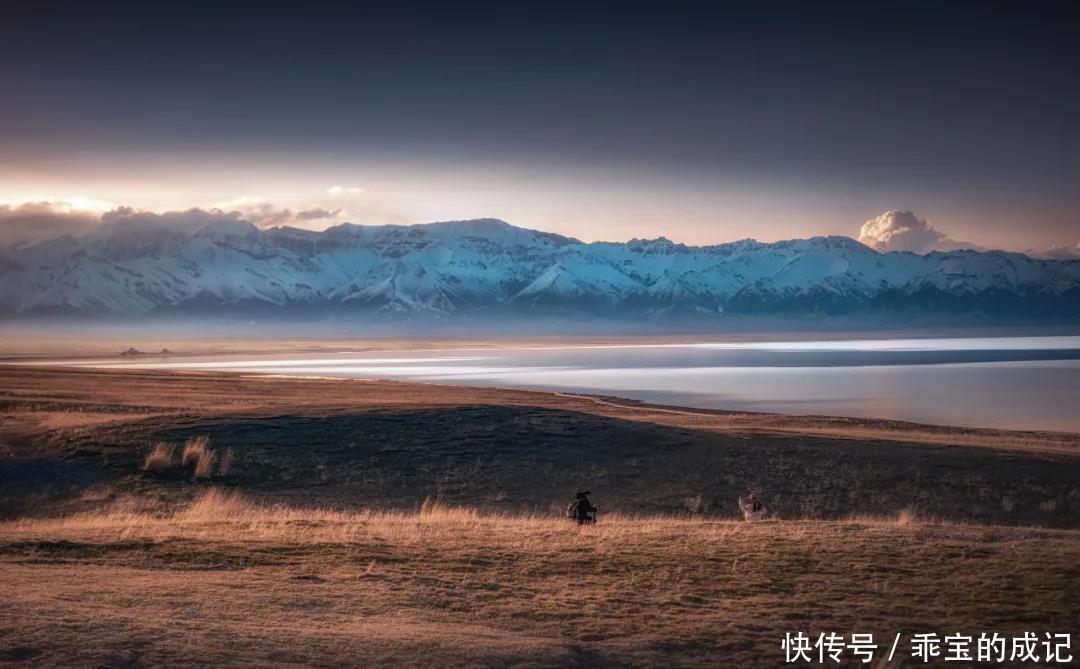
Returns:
(219, 514)
(74, 419)
(213, 506)
(160, 459)
(906, 517)
(227, 582)
(199, 456)
(196, 456)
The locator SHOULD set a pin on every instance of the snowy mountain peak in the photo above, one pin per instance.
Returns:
(659, 245)
(130, 267)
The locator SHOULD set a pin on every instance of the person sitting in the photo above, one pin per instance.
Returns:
(581, 509)
(752, 508)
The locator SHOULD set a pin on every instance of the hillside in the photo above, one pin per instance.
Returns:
(74, 436)
(488, 266)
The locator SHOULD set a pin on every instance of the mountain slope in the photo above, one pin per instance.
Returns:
(462, 266)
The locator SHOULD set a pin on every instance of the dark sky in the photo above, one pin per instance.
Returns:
(967, 109)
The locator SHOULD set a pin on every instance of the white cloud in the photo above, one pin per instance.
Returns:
(237, 203)
(26, 221)
(188, 221)
(65, 204)
(317, 214)
(344, 190)
(266, 215)
(1057, 253)
(32, 222)
(899, 230)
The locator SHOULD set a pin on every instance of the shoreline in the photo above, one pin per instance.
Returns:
(828, 425)
(66, 433)
(43, 342)
(1050, 353)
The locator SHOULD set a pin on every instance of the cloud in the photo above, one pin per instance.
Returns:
(344, 190)
(187, 221)
(236, 203)
(266, 215)
(67, 203)
(25, 221)
(899, 230)
(32, 222)
(317, 214)
(1057, 253)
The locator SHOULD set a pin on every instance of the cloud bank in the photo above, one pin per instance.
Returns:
(901, 230)
(186, 222)
(1057, 253)
(266, 215)
(32, 222)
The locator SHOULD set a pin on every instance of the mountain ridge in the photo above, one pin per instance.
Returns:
(488, 264)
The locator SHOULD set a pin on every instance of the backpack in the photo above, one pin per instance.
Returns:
(571, 511)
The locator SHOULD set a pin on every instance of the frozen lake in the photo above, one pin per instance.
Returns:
(1008, 382)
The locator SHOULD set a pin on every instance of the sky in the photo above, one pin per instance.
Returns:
(914, 125)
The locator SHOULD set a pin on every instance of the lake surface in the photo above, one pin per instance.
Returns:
(1008, 382)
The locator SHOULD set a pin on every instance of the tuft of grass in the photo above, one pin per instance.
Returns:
(216, 505)
(160, 458)
(907, 518)
(198, 454)
(434, 509)
(431, 506)
(904, 518)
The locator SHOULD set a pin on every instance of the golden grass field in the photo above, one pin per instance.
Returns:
(319, 544)
(225, 583)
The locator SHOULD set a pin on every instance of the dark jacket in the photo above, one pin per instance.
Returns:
(580, 508)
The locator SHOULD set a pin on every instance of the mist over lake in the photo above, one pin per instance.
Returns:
(1026, 383)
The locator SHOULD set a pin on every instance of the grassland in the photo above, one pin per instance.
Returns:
(315, 546)
(68, 435)
(223, 583)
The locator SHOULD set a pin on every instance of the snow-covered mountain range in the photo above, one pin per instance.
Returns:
(466, 266)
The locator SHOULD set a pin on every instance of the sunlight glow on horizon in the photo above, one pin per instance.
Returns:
(65, 203)
(588, 204)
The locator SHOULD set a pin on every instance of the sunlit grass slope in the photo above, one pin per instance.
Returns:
(223, 581)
